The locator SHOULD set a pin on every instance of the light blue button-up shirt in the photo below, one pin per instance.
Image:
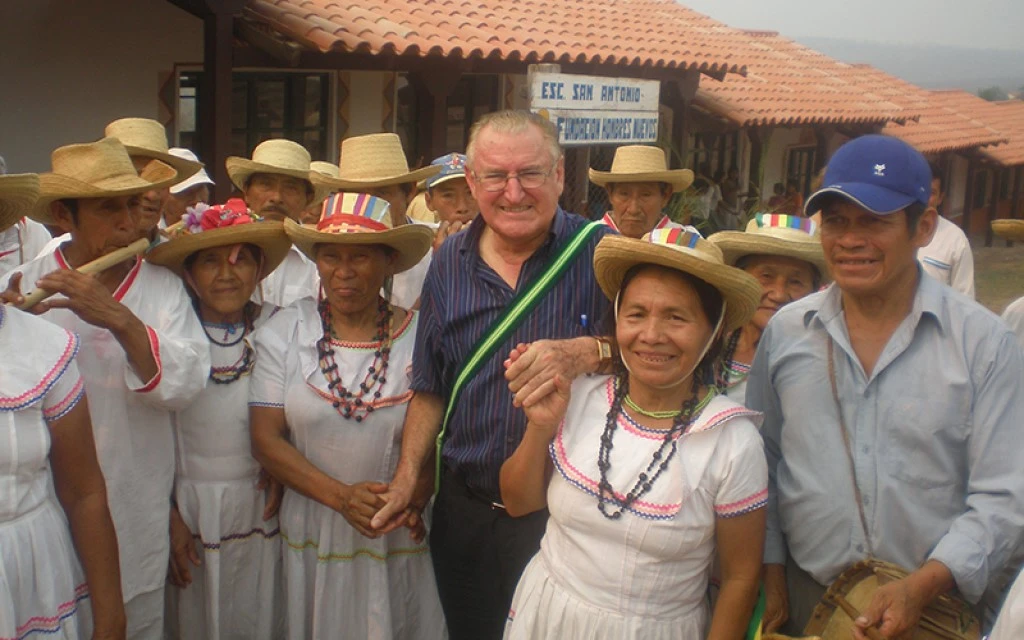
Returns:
(937, 435)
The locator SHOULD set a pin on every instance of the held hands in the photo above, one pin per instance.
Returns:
(544, 415)
(183, 551)
(404, 501)
(358, 504)
(531, 369)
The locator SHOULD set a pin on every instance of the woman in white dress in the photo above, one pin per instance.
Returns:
(327, 405)
(48, 452)
(784, 253)
(225, 547)
(647, 472)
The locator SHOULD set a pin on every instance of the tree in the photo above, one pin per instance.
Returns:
(993, 94)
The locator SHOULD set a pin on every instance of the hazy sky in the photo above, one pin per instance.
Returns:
(995, 24)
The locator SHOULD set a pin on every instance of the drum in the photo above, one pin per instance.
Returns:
(946, 618)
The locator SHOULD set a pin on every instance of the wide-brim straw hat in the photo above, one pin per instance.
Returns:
(148, 138)
(99, 169)
(774, 234)
(279, 157)
(328, 169)
(1010, 229)
(268, 235)
(376, 160)
(683, 251)
(362, 219)
(18, 193)
(642, 163)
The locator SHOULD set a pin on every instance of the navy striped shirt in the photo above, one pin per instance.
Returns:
(462, 297)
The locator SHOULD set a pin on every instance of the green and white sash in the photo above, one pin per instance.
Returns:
(502, 328)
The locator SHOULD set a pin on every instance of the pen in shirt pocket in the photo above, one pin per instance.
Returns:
(585, 324)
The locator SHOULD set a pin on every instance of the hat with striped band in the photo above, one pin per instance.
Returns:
(683, 251)
(361, 219)
(774, 234)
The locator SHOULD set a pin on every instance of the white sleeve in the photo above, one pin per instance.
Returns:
(267, 386)
(742, 471)
(961, 276)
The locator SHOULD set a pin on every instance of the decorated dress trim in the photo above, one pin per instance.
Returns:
(733, 509)
(373, 345)
(46, 625)
(352, 555)
(33, 395)
(154, 348)
(255, 532)
(62, 408)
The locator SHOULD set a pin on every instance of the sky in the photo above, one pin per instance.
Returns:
(987, 24)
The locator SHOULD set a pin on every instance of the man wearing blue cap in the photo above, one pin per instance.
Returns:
(892, 410)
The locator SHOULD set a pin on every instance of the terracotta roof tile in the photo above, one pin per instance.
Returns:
(1007, 117)
(653, 33)
(947, 125)
(790, 84)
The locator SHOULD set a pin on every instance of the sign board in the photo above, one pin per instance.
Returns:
(592, 110)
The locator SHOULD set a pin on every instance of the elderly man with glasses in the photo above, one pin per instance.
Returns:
(516, 172)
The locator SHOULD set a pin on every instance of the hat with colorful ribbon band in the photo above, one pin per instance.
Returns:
(361, 219)
(774, 234)
(231, 223)
(683, 251)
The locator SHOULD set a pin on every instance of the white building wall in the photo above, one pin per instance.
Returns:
(779, 141)
(366, 102)
(69, 68)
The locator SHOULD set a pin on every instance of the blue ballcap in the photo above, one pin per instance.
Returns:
(452, 165)
(880, 173)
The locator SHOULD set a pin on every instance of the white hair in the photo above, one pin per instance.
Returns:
(514, 121)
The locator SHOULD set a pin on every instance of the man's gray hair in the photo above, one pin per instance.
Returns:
(514, 121)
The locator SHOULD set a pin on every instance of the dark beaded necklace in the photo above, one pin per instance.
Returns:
(659, 459)
(244, 365)
(356, 406)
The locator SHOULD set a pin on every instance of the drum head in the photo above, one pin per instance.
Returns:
(947, 618)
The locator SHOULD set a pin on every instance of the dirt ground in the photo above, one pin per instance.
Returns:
(998, 273)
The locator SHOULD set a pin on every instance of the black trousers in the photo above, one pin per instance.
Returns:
(479, 552)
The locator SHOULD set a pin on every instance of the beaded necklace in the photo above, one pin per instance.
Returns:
(731, 374)
(244, 365)
(659, 459)
(360, 404)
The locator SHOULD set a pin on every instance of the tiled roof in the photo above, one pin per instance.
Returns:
(636, 33)
(790, 84)
(941, 126)
(1007, 118)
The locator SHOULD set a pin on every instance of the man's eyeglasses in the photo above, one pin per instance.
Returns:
(529, 179)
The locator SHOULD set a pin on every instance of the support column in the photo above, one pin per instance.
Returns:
(993, 207)
(965, 219)
(433, 86)
(215, 98)
(1015, 201)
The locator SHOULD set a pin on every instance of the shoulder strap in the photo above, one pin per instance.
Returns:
(514, 314)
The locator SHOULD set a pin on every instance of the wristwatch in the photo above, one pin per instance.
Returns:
(604, 351)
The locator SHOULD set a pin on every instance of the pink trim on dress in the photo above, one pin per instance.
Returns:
(154, 348)
(51, 624)
(62, 408)
(35, 393)
(733, 509)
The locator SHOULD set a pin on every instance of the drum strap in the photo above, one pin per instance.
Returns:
(847, 444)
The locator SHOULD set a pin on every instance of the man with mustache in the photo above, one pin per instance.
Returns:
(277, 183)
(892, 408)
(143, 353)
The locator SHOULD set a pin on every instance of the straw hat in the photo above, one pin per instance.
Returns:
(99, 169)
(18, 192)
(359, 218)
(774, 234)
(328, 169)
(279, 157)
(376, 160)
(148, 138)
(683, 251)
(642, 163)
(223, 225)
(1009, 229)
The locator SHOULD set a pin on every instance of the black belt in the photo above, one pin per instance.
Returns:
(457, 484)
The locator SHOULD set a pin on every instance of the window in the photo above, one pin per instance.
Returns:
(263, 106)
(800, 167)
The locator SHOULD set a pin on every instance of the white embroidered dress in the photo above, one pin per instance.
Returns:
(339, 584)
(42, 589)
(237, 590)
(644, 575)
(131, 418)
